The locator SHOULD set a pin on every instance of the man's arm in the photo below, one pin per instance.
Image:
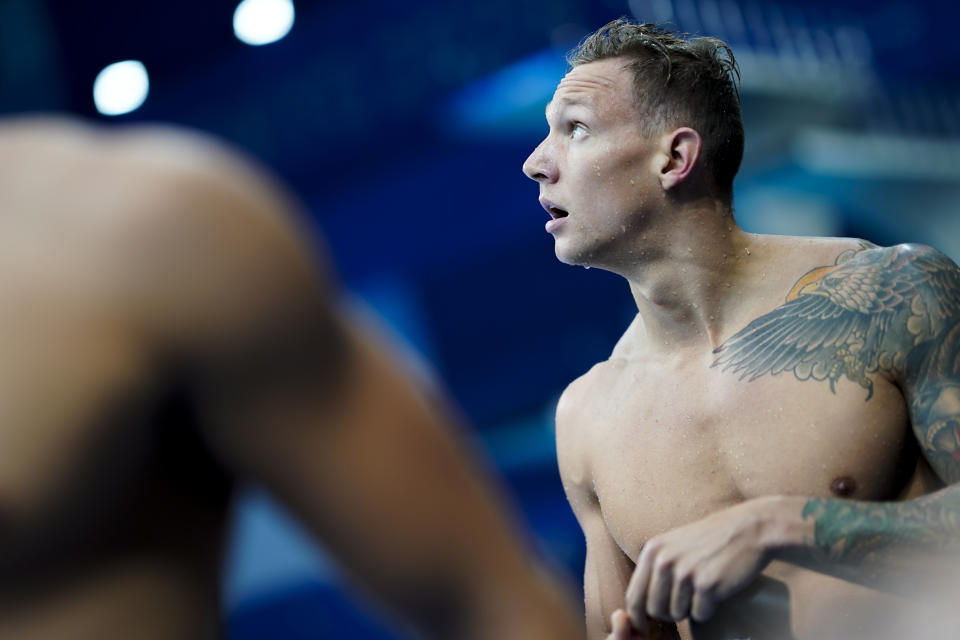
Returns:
(605, 573)
(606, 568)
(293, 395)
(896, 545)
(378, 476)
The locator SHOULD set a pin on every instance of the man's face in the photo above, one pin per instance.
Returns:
(595, 168)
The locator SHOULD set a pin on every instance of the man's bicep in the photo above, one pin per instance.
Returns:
(935, 415)
(606, 575)
(933, 379)
(606, 571)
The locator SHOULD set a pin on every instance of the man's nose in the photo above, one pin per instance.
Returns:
(540, 166)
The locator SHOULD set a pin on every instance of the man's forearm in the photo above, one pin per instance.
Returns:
(894, 546)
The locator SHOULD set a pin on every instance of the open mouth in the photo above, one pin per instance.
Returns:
(554, 211)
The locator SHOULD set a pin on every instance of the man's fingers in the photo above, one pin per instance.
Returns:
(621, 627)
(620, 623)
(658, 593)
(702, 604)
(680, 599)
(637, 593)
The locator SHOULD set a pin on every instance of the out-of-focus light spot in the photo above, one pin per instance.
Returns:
(121, 87)
(257, 22)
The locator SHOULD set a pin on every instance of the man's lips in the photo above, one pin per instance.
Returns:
(557, 215)
(551, 208)
(553, 224)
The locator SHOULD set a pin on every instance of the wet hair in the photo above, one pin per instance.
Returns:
(679, 80)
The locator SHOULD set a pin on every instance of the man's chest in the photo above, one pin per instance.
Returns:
(669, 447)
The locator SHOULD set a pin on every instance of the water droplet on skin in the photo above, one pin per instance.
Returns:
(632, 181)
(747, 249)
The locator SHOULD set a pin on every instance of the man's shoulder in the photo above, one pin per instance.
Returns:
(597, 375)
(859, 275)
(187, 197)
(572, 432)
(857, 252)
(906, 253)
(574, 406)
(898, 273)
(597, 380)
(138, 174)
(178, 226)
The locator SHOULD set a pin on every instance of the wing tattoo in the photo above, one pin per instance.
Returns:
(864, 313)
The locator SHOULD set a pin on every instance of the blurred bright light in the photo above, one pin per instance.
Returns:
(121, 87)
(257, 22)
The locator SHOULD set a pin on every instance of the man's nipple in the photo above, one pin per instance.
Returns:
(843, 487)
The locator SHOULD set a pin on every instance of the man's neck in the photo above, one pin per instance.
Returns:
(693, 278)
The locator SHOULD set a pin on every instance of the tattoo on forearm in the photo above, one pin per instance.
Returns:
(853, 532)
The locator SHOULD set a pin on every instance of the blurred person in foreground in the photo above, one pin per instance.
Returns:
(166, 333)
(777, 433)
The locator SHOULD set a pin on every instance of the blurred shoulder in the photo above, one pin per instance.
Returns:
(169, 218)
(145, 174)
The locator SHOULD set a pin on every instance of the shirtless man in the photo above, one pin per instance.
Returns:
(166, 332)
(781, 405)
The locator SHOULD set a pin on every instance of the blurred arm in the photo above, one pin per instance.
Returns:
(374, 471)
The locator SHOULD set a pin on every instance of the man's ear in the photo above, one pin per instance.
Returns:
(680, 150)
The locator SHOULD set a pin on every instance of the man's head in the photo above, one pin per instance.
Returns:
(641, 121)
(678, 82)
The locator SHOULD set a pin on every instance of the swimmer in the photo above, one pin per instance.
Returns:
(167, 333)
(784, 407)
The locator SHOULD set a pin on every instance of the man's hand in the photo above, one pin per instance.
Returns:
(687, 572)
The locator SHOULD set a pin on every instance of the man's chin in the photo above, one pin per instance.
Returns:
(572, 258)
(564, 253)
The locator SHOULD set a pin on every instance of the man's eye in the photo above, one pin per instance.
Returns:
(577, 130)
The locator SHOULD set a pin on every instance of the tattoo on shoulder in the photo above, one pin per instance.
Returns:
(869, 311)
(894, 310)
